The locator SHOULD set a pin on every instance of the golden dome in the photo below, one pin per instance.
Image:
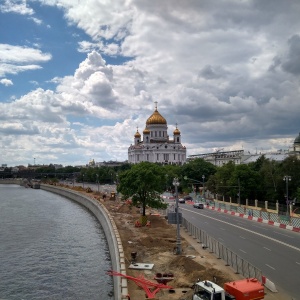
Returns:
(137, 134)
(176, 131)
(156, 118)
(146, 131)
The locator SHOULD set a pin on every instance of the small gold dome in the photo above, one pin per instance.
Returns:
(176, 131)
(146, 131)
(156, 118)
(137, 134)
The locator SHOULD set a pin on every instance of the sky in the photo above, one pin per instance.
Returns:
(78, 77)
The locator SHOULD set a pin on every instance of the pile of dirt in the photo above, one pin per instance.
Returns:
(155, 244)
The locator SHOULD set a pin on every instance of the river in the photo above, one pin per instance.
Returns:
(50, 248)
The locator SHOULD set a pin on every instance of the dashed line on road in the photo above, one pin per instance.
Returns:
(271, 267)
(242, 251)
(260, 227)
(267, 248)
(248, 230)
(283, 234)
(242, 237)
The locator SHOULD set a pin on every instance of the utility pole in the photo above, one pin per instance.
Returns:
(287, 179)
(239, 191)
(203, 192)
(178, 241)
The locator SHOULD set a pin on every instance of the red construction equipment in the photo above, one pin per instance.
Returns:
(151, 288)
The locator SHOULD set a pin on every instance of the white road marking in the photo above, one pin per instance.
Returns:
(283, 234)
(242, 237)
(298, 263)
(270, 267)
(267, 248)
(222, 228)
(242, 251)
(242, 228)
(260, 227)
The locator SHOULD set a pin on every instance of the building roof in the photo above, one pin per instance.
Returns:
(156, 118)
(297, 139)
(270, 156)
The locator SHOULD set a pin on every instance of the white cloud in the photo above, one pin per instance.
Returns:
(228, 74)
(6, 82)
(15, 59)
(13, 6)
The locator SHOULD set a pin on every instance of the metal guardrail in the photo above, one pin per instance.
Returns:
(238, 264)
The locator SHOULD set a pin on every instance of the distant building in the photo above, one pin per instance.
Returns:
(156, 146)
(111, 163)
(219, 158)
(295, 149)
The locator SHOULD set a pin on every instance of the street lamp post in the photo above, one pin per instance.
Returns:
(203, 193)
(98, 181)
(83, 181)
(178, 241)
(287, 178)
(239, 191)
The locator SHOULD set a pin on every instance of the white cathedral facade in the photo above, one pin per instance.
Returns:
(156, 147)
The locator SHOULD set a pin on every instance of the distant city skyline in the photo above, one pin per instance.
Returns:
(78, 77)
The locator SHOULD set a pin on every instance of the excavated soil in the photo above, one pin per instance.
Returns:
(155, 244)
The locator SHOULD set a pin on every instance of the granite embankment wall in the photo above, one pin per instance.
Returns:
(10, 181)
(109, 227)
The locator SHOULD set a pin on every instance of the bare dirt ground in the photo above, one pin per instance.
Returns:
(155, 245)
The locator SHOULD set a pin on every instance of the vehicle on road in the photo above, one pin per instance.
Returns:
(185, 198)
(245, 289)
(198, 205)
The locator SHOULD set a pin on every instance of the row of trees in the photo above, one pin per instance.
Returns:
(262, 180)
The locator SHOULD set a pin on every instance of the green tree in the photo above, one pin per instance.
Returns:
(219, 182)
(194, 170)
(246, 181)
(270, 174)
(289, 167)
(143, 183)
(171, 171)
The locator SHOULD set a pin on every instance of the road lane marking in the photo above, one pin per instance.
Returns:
(243, 251)
(222, 228)
(270, 267)
(298, 263)
(260, 227)
(283, 234)
(242, 237)
(248, 230)
(267, 248)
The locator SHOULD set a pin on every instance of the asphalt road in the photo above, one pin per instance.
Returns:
(275, 251)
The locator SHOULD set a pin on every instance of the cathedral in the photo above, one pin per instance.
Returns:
(156, 147)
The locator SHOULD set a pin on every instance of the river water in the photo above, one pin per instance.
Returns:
(50, 248)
